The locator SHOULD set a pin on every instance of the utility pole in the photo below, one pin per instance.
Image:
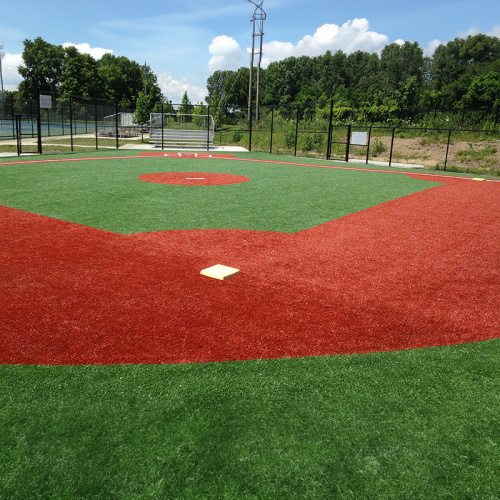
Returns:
(257, 21)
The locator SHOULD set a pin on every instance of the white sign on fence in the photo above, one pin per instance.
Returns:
(359, 139)
(46, 101)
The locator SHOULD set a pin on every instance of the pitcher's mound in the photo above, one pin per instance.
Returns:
(193, 178)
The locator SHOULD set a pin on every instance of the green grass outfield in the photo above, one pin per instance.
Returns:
(412, 424)
(106, 194)
(419, 423)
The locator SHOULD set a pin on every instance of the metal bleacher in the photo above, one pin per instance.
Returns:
(179, 130)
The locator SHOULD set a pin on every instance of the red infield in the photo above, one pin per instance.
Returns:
(414, 272)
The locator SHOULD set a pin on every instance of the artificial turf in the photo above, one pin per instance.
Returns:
(418, 270)
(107, 194)
(410, 424)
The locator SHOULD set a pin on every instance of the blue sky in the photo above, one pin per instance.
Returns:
(185, 41)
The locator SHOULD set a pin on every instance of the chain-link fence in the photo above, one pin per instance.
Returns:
(314, 130)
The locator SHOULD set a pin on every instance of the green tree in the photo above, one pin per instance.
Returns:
(400, 62)
(199, 109)
(483, 91)
(151, 87)
(283, 79)
(186, 108)
(143, 109)
(80, 76)
(124, 79)
(42, 67)
(51, 68)
(456, 64)
(332, 72)
(407, 97)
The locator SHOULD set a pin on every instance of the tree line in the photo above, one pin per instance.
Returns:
(67, 72)
(463, 72)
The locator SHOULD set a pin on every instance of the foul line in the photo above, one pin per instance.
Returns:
(335, 167)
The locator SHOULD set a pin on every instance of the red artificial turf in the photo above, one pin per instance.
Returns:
(418, 271)
(193, 178)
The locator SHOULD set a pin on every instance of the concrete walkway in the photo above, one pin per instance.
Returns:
(133, 145)
(136, 144)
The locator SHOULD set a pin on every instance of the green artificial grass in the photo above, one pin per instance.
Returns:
(410, 424)
(106, 194)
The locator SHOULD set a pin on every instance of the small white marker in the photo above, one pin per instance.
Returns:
(220, 272)
(195, 178)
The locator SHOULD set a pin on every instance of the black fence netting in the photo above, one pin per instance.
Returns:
(462, 139)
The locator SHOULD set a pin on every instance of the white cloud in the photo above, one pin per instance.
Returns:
(495, 31)
(174, 89)
(434, 44)
(474, 31)
(351, 36)
(85, 48)
(431, 47)
(226, 54)
(11, 78)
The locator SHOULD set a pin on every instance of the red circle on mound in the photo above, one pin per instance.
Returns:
(193, 178)
(191, 155)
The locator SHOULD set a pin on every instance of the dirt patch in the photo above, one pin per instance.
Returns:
(193, 178)
(462, 155)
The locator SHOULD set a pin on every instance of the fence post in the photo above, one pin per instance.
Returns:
(39, 123)
(368, 144)
(31, 118)
(447, 149)
(250, 128)
(95, 119)
(13, 119)
(71, 121)
(272, 130)
(392, 146)
(330, 131)
(18, 134)
(296, 129)
(116, 123)
(162, 125)
(348, 143)
(208, 127)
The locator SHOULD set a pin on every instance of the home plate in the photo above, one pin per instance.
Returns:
(219, 272)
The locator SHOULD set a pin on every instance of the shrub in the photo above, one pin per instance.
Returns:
(377, 147)
(237, 135)
(318, 139)
(289, 137)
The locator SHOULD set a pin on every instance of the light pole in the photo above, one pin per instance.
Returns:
(258, 19)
